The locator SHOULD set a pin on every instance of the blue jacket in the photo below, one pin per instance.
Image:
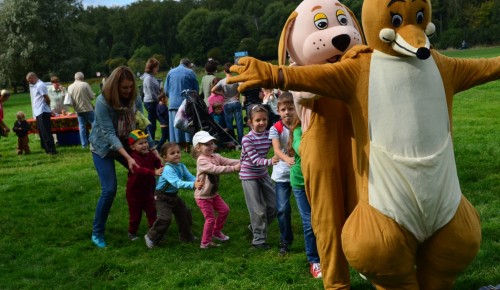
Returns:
(103, 136)
(175, 176)
(179, 79)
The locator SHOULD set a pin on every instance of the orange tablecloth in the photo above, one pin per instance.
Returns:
(58, 124)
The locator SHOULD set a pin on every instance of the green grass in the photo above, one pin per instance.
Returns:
(47, 205)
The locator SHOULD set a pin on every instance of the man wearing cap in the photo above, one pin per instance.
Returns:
(179, 79)
(82, 95)
(42, 111)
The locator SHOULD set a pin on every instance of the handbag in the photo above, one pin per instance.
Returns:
(181, 120)
(68, 100)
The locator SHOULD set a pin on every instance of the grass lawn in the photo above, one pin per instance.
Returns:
(47, 206)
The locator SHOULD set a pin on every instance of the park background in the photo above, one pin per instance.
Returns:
(47, 203)
(47, 206)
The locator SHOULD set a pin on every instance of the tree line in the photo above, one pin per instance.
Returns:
(61, 36)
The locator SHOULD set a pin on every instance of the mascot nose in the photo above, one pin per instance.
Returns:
(423, 53)
(341, 42)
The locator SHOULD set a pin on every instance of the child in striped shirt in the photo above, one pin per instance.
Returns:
(257, 186)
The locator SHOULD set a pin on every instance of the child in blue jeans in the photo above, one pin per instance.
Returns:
(297, 182)
(279, 134)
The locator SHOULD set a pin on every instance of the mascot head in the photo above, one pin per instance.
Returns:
(319, 31)
(398, 27)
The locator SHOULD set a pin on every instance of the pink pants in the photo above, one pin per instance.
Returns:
(213, 224)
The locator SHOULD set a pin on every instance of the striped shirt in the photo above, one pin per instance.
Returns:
(254, 149)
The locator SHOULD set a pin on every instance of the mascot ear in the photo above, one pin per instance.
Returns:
(284, 38)
(356, 24)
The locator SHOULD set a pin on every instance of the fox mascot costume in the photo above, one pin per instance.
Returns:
(412, 227)
(321, 31)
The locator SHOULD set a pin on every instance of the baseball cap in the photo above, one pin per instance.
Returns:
(202, 137)
(136, 135)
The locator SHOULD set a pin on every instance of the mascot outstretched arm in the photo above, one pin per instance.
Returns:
(412, 228)
(317, 32)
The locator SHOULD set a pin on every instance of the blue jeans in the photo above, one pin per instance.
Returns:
(164, 137)
(176, 135)
(106, 171)
(85, 118)
(233, 111)
(283, 192)
(305, 214)
(152, 117)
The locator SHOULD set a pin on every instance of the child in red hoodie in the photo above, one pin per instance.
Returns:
(141, 183)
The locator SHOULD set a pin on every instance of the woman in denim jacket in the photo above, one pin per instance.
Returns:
(114, 120)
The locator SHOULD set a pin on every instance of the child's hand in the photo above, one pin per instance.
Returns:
(290, 161)
(275, 159)
(237, 167)
(198, 184)
(159, 171)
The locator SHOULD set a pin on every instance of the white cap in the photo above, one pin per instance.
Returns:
(202, 137)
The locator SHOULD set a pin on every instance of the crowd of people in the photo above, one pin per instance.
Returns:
(155, 171)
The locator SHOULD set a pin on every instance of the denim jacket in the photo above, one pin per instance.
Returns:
(103, 137)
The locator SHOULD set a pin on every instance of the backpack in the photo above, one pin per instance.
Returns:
(279, 126)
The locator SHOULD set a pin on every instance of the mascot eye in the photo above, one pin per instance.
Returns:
(420, 16)
(341, 17)
(396, 20)
(321, 21)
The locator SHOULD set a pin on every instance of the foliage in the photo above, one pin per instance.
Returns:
(113, 63)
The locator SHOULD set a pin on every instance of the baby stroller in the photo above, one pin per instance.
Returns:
(196, 118)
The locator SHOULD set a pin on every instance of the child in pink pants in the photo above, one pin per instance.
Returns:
(209, 166)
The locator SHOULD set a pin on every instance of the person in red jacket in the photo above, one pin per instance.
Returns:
(141, 183)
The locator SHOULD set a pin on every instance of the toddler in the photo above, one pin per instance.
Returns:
(218, 115)
(215, 97)
(279, 134)
(21, 128)
(257, 185)
(162, 114)
(174, 177)
(141, 183)
(209, 166)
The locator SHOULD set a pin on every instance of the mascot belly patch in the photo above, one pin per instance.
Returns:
(409, 135)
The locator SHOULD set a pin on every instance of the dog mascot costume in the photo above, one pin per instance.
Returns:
(412, 227)
(321, 31)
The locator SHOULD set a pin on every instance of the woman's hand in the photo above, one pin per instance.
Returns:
(131, 164)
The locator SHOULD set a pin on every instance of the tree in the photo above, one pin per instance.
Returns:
(34, 37)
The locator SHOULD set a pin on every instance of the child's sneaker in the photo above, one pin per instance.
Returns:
(149, 243)
(315, 270)
(98, 240)
(221, 237)
(209, 245)
(284, 249)
(133, 237)
(263, 246)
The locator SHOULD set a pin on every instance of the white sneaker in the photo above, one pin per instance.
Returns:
(149, 243)
(316, 270)
(221, 237)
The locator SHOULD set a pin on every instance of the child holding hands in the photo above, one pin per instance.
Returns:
(141, 183)
(208, 166)
(279, 135)
(174, 177)
(258, 187)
